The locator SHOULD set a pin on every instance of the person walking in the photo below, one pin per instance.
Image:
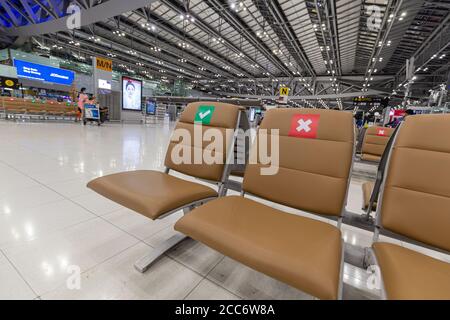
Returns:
(82, 99)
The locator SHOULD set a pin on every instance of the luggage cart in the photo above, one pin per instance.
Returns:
(91, 113)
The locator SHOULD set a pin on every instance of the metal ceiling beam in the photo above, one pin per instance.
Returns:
(103, 11)
(44, 7)
(383, 35)
(19, 10)
(141, 49)
(332, 33)
(11, 15)
(29, 11)
(173, 50)
(442, 29)
(278, 22)
(156, 20)
(7, 19)
(242, 28)
(169, 63)
(321, 78)
(173, 5)
(96, 50)
(316, 97)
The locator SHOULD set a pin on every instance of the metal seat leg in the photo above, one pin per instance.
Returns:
(144, 263)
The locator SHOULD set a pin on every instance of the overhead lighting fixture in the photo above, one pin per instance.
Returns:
(95, 39)
(148, 26)
(119, 33)
(218, 40)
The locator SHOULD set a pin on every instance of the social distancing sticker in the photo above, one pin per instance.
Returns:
(304, 126)
(381, 132)
(204, 114)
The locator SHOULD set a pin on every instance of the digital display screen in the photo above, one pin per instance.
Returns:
(104, 84)
(40, 72)
(131, 94)
(252, 114)
(151, 107)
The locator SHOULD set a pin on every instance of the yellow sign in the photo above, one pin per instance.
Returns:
(104, 64)
(284, 91)
(10, 83)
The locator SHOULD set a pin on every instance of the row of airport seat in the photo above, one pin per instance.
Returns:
(375, 140)
(24, 108)
(374, 145)
(316, 154)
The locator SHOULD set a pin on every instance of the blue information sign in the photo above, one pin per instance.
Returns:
(43, 73)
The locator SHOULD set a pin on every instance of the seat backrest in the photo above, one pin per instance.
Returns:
(316, 149)
(416, 196)
(212, 115)
(375, 140)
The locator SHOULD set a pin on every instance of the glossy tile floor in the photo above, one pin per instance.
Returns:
(50, 222)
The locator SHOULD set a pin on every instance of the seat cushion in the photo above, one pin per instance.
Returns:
(299, 251)
(409, 275)
(150, 193)
(370, 157)
(367, 189)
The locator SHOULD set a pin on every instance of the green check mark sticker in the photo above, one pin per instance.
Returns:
(204, 114)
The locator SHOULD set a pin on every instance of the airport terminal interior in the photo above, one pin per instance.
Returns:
(224, 150)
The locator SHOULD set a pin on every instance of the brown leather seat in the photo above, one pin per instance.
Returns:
(367, 189)
(374, 144)
(302, 252)
(416, 205)
(154, 193)
(409, 275)
(150, 193)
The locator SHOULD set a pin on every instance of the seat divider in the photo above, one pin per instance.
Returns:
(230, 156)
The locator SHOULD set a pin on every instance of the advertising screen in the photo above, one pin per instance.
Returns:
(151, 107)
(131, 94)
(43, 73)
(252, 114)
(104, 84)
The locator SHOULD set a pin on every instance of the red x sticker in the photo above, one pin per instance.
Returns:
(381, 132)
(304, 126)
